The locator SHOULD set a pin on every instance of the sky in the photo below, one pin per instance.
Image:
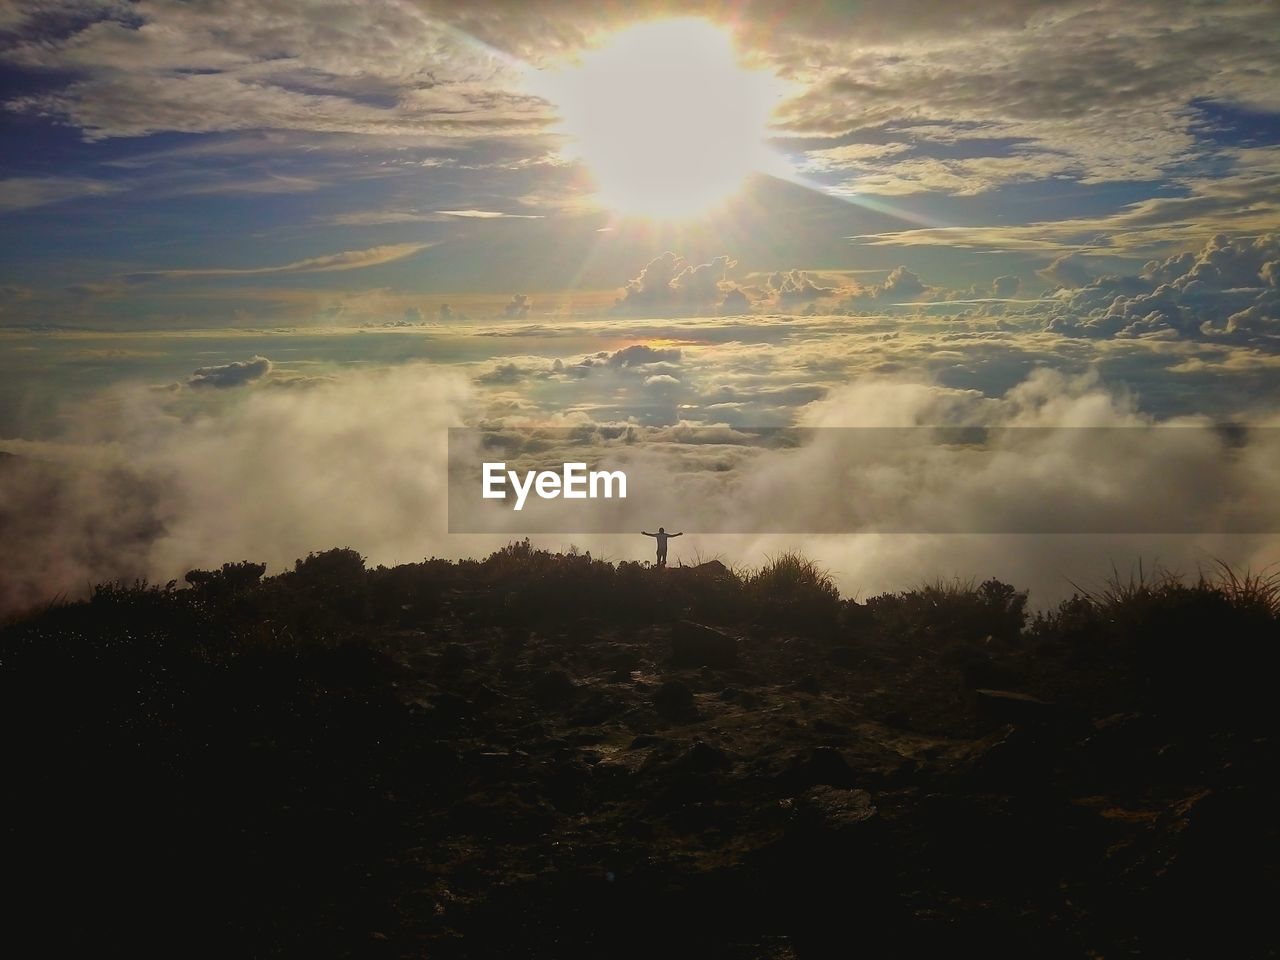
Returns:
(229, 227)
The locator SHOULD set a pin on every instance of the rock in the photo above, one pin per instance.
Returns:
(674, 701)
(454, 658)
(807, 684)
(697, 645)
(595, 710)
(701, 757)
(553, 688)
(836, 811)
(1007, 706)
(1012, 756)
(451, 707)
(822, 765)
(845, 656)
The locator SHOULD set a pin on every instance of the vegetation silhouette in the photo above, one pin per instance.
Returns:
(551, 754)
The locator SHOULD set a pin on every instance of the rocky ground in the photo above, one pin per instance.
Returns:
(457, 784)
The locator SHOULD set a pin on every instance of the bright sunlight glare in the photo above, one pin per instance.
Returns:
(665, 118)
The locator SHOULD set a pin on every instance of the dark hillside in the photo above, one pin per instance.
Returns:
(552, 756)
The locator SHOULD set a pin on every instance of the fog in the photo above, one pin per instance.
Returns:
(149, 483)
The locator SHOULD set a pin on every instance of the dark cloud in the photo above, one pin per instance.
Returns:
(503, 374)
(518, 306)
(639, 354)
(234, 374)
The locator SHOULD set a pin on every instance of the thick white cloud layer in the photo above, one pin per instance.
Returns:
(154, 482)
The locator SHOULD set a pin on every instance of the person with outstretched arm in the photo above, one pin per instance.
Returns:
(662, 537)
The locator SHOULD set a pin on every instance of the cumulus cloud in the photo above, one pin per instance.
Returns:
(519, 369)
(797, 286)
(668, 285)
(519, 306)
(235, 374)
(1226, 290)
(900, 284)
(641, 354)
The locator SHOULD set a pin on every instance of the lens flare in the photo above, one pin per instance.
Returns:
(664, 116)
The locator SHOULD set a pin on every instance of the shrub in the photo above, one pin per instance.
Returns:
(950, 611)
(792, 591)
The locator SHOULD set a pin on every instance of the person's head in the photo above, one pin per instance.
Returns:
(662, 529)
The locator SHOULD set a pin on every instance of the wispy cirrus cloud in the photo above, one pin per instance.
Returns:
(370, 218)
(23, 193)
(346, 260)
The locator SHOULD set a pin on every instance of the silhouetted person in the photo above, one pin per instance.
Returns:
(662, 537)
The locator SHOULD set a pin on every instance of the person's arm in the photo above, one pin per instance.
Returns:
(680, 534)
(648, 534)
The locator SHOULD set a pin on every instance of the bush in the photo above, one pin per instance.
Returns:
(794, 592)
(1190, 649)
(953, 611)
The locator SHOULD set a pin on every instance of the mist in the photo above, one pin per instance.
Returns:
(148, 483)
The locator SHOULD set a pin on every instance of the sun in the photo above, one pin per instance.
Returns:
(665, 118)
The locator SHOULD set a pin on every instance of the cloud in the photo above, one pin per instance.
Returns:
(1227, 290)
(146, 493)
(1068, 270)
(518, 306)
(901, 283)
(23, 193)
(1241, 198)
(153, 483)
(797, 286)
(235, 374)
(735, 301)
(641, 353)
(961, 178)
(329, 263)
(1060, 87)
(1078, 456)
(375, 68)
(487, 215)
(1005, 286)
(668, 285)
